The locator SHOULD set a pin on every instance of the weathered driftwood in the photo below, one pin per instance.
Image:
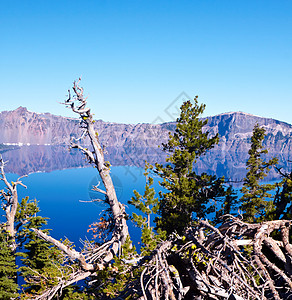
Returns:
(220, 266)
(259, 271)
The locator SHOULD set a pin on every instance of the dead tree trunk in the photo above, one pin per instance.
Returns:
(96, 157)
(9, 200)
(78, 105)
(94, 258)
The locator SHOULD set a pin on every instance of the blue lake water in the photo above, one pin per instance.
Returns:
(59, 180)
(59, 193)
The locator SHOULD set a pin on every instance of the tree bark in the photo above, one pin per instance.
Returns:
(9, 203)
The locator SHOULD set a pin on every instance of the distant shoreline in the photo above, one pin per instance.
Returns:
(4, 148)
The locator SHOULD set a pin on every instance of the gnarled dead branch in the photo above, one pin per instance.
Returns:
(96, 257)
(78, 105)
(220, 266)
(9, 202)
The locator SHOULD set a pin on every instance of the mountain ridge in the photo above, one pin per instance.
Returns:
(21, 126)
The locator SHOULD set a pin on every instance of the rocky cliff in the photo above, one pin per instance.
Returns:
(235, 131)
(21, 126)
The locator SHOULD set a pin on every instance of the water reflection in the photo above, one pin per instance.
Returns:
(65, 196)
(33, 159)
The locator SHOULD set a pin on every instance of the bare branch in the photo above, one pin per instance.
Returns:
(10, 202)
(50, 293)
(73, 254)
(97, 158)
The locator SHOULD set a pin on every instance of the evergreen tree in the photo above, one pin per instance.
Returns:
(254, 201)
(43, 264)
(148, 205)
(188, 194)
(228, 206)
(118, 274)
(283, 198)
(8, 270)
(74, 292)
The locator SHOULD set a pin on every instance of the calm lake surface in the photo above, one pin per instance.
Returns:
(59, 193)
(59, 179)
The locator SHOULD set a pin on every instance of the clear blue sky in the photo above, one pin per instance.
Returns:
(136, 57)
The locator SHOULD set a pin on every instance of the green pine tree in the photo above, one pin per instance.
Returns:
(43, 264)
(74, 292)
(189, 195)
(148, 205)
(255, 203)
(8, 269)
(283, 198)
(228, 206)
(115, 278)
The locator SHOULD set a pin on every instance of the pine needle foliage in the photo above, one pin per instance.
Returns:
(8, 269)
(42, 264)
(188, 194)
(74, 292)
(283, 198)
(229, 205)
(255, 201)
(147, 204)
(114, 279)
